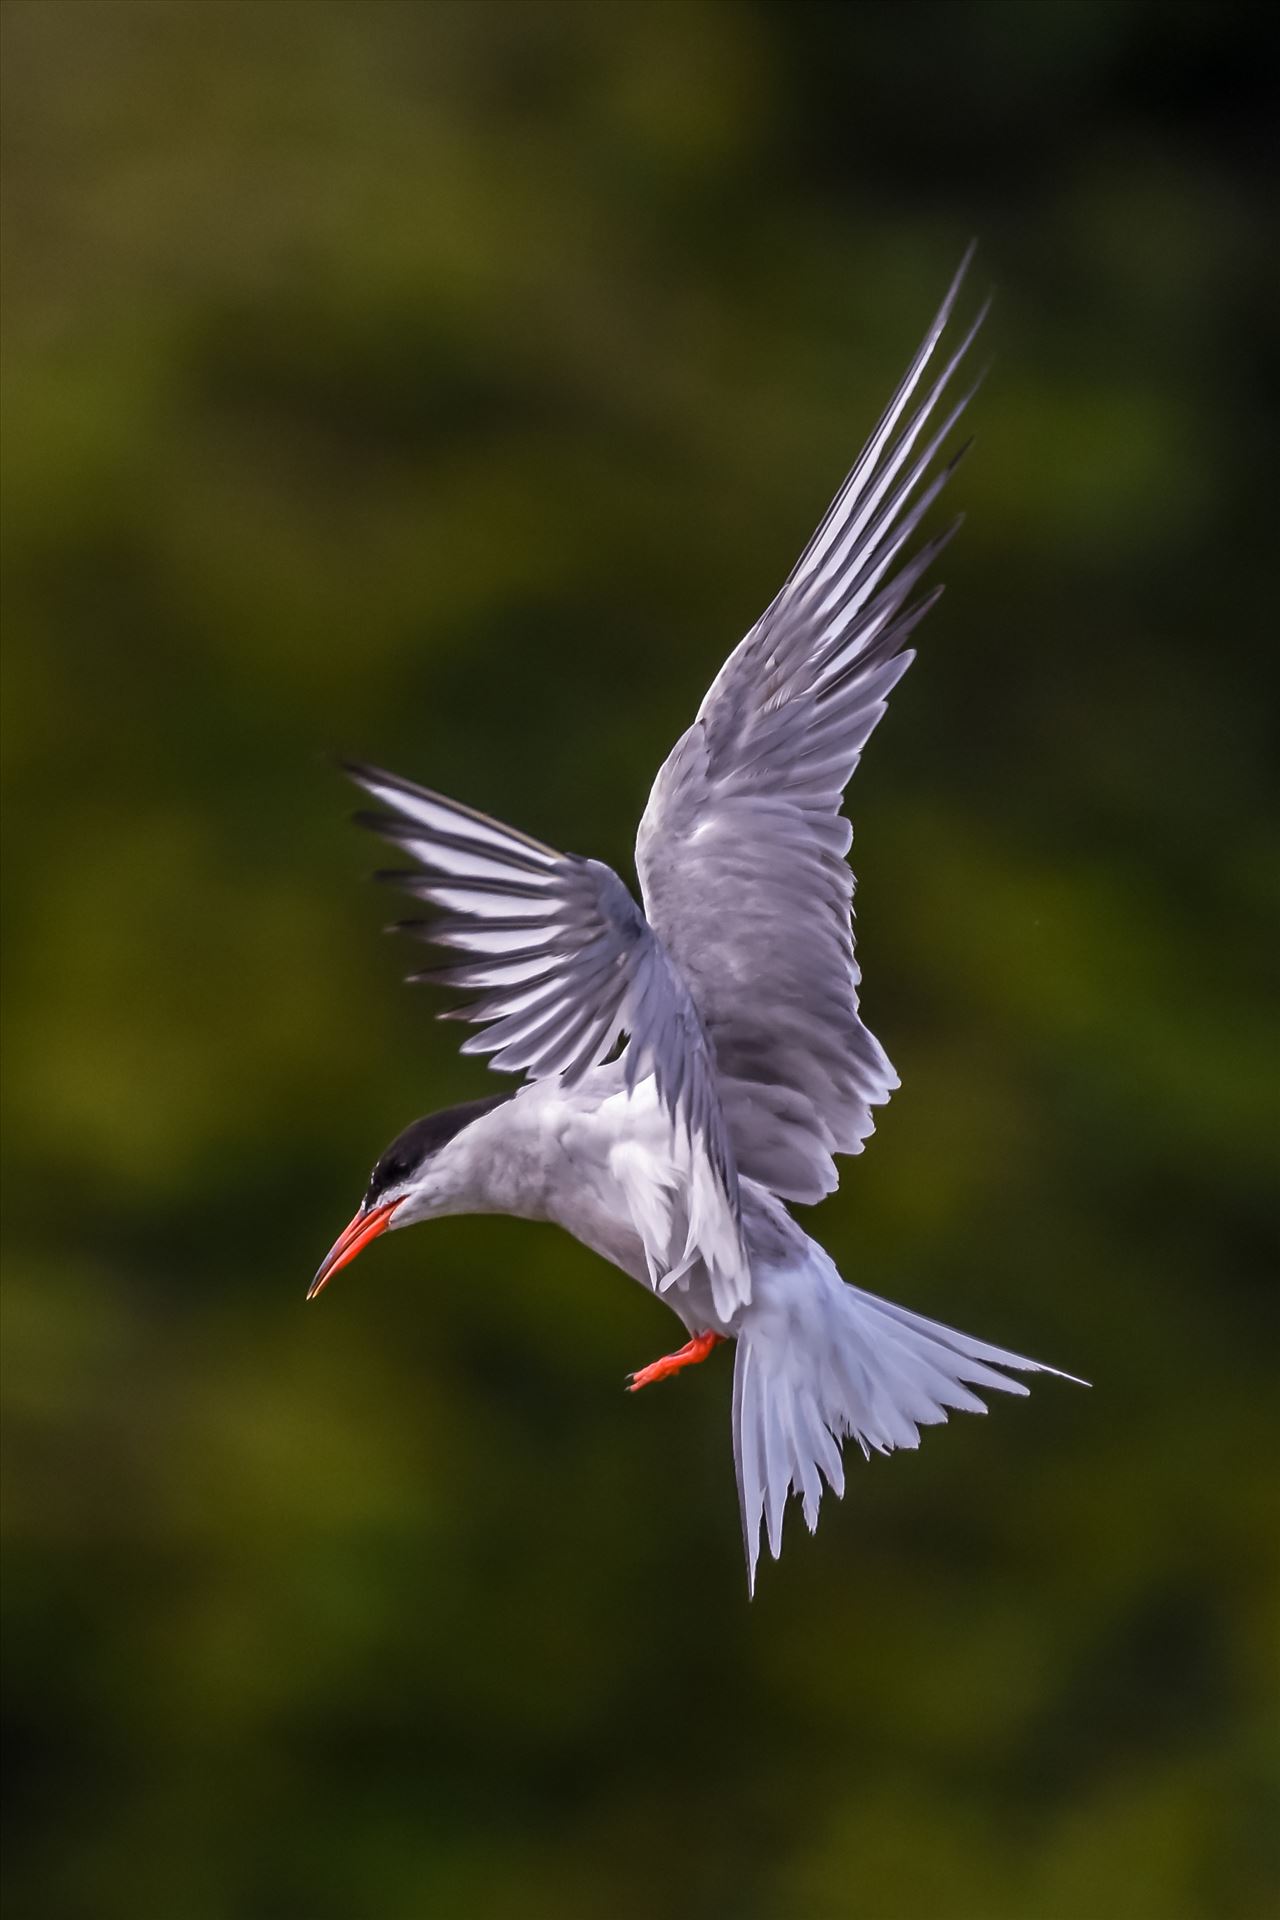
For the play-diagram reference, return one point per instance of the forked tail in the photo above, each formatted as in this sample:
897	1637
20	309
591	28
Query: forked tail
818	1360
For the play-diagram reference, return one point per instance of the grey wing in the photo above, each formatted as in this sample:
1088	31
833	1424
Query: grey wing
566	963
742	849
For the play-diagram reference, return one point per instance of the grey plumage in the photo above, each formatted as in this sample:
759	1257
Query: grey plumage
742	847
747	1065
569	963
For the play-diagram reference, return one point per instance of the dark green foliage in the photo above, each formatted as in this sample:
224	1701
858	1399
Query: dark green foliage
452	384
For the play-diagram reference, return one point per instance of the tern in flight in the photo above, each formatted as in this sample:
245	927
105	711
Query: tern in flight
746	1066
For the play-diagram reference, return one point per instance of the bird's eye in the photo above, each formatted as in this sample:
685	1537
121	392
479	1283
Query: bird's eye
390	1169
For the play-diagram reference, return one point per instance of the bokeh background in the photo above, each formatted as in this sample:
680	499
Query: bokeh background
452	384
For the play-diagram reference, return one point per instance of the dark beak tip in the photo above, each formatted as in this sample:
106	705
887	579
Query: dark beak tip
366	1226
322	1275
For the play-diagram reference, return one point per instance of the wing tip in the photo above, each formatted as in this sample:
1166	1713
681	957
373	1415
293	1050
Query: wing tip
385	825
953	291
362	773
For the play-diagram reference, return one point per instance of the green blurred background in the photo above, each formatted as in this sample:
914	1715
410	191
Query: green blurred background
452	385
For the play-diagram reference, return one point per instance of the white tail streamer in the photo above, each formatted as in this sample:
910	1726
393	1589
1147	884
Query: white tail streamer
818	1361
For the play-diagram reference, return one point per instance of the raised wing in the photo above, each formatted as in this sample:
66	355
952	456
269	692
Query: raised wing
566	963
741	851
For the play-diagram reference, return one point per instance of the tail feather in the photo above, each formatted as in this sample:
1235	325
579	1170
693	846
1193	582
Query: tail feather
818	1361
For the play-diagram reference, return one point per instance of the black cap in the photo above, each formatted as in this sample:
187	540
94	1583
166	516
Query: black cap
426	1136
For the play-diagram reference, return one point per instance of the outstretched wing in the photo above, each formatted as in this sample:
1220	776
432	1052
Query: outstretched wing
741	851
566	963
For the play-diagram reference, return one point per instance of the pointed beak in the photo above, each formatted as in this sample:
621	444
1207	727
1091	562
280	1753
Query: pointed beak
364	1228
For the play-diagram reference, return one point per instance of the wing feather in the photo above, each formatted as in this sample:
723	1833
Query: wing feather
742	849
565	963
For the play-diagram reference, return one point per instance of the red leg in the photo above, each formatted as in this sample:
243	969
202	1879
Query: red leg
697	1349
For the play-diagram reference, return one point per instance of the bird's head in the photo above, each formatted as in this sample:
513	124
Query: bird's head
420	1176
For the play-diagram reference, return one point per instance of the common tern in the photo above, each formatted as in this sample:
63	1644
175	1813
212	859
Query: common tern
746	1066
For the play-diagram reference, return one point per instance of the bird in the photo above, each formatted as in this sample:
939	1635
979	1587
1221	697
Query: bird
694	1063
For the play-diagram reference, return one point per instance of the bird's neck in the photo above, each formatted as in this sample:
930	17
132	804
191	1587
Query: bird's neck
502	1162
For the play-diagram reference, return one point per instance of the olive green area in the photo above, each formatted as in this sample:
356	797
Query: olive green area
451	385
